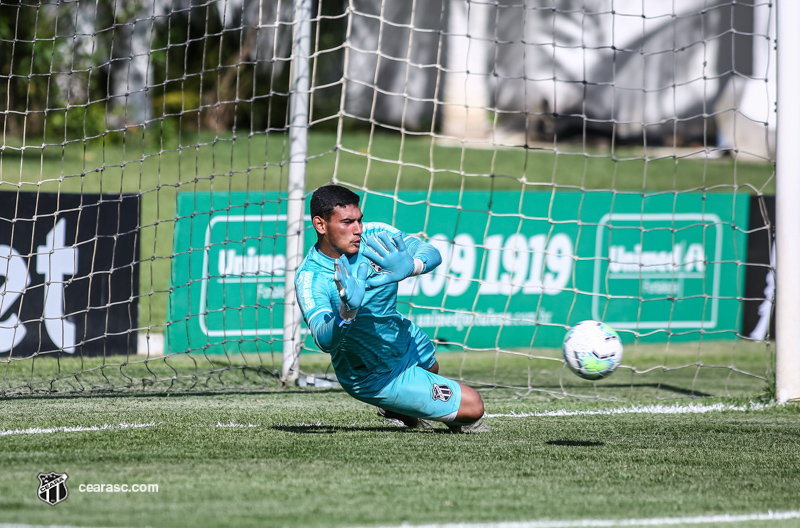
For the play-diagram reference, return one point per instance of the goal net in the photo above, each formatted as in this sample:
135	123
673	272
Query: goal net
596	159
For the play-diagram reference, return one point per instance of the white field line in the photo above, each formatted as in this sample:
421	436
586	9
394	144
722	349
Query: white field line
234	424
104	427
642	409
582	523
602	523
75	429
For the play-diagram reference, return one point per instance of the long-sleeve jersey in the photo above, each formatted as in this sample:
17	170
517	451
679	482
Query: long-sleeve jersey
379	336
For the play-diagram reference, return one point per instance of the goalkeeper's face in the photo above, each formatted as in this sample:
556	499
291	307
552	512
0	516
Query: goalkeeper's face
341	235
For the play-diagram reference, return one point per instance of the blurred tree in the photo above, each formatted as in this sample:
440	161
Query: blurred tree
73	71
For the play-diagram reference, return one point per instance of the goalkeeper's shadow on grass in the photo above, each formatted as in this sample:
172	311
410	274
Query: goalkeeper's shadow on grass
331	429
575	443
658	386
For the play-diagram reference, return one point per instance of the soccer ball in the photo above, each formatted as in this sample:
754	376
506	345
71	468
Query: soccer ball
592	350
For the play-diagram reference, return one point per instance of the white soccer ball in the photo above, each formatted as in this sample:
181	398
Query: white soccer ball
592	350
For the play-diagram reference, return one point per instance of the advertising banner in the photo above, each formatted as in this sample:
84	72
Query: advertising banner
69	276
516	266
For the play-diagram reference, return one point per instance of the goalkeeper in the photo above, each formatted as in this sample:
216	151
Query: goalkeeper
347	290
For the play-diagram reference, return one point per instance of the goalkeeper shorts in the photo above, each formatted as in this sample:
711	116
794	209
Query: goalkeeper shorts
411	390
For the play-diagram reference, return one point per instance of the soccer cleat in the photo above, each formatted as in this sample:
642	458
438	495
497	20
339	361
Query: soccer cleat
477	427
409	421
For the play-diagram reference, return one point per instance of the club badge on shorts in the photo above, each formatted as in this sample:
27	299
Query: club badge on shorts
441	392
53	487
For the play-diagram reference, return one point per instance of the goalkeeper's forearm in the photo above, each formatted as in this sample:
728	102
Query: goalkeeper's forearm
330	328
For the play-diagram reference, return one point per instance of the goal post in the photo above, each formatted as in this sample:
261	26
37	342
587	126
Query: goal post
295	211
787	196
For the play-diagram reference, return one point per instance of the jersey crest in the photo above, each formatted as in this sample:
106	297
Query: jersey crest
377	268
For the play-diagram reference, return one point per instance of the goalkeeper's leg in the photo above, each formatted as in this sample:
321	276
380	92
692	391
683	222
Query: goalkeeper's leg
410	421
470	414
417	395
469	418
470	411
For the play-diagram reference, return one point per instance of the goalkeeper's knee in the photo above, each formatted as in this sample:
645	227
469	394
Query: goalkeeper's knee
471	409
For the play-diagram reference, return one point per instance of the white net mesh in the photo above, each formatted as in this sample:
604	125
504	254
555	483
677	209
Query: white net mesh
594	159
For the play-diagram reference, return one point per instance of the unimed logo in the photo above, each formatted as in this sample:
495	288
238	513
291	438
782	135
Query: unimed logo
244	265
233	263
679	259
663	270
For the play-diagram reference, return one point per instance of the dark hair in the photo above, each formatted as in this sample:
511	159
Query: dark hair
329	197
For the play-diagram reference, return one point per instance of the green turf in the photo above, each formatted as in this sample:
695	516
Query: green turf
139	163
319	458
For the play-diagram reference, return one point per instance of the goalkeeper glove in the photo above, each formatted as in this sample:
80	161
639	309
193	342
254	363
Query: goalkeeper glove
390	254
352	288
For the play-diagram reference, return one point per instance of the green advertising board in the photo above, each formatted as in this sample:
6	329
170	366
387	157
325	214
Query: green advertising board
516	267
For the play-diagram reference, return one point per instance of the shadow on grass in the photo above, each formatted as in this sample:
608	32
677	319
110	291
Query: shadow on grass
664	387
660	386
331	429
575	443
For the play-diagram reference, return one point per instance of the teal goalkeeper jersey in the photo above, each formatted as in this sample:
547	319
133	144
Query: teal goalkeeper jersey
377	340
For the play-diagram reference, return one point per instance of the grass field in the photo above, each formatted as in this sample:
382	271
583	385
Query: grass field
228	446
316	457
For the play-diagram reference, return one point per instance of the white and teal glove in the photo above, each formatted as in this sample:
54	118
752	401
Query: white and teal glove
392	256
352	288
